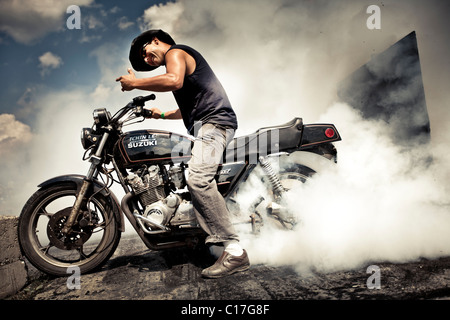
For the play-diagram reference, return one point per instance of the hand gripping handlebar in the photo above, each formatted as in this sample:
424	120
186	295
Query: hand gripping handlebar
140	101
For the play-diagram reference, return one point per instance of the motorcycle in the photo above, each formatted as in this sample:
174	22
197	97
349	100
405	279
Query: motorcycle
76	220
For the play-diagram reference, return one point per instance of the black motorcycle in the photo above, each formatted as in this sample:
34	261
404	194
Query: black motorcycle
76	220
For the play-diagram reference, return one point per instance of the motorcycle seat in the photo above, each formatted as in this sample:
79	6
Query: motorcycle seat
265	141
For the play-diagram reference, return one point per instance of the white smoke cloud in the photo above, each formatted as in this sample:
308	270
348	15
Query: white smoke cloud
280	59
379	203
285	58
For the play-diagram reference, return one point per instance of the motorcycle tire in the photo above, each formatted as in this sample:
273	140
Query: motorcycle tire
90	243
295	173
292	176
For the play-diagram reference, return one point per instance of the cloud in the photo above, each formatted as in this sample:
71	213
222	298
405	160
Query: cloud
26	99
86	39
15	139
92	22
49	61
52	148
124	24
26	102
13	134
27	20
162	16
115	9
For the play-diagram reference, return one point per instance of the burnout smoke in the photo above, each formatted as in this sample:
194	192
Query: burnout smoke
378	203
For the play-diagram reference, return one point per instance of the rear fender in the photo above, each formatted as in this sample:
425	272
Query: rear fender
317	134
98	186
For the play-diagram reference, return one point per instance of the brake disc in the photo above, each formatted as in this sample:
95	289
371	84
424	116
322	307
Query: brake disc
75	239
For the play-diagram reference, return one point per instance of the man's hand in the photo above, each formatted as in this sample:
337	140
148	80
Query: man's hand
156	113
173	114
127	81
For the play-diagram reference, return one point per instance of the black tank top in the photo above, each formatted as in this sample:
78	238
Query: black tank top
202	97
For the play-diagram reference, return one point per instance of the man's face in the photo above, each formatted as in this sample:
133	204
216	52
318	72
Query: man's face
153	53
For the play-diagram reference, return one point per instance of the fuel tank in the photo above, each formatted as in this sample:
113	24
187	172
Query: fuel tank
135	148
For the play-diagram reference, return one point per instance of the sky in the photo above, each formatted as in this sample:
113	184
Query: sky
277	59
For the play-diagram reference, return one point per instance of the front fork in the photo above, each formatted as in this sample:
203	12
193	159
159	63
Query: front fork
90	176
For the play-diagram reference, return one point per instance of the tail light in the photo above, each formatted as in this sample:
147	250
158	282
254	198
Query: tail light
329	133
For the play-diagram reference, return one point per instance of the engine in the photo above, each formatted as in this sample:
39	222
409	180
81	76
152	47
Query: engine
150	185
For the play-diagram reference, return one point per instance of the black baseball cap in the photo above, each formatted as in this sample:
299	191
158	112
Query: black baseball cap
137	45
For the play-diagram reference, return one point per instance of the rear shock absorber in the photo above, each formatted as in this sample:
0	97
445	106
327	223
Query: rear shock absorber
278	189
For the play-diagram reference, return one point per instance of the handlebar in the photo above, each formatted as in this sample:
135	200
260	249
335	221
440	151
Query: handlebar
138	105
140	111
140	101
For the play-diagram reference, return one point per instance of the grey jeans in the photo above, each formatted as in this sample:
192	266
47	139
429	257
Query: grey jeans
209	205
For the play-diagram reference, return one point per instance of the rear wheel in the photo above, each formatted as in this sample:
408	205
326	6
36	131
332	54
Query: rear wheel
91	242
292	177
257	199
295	175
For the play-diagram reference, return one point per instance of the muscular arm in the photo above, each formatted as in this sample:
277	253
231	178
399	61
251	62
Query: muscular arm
172	80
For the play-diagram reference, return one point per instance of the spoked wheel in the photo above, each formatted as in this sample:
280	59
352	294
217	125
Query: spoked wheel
292	177
90	243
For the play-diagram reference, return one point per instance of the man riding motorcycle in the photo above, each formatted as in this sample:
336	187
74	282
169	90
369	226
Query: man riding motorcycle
209	116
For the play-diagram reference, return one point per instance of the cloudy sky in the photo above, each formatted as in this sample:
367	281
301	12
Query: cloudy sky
277	59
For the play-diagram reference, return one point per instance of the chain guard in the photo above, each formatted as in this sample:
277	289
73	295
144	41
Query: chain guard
75	239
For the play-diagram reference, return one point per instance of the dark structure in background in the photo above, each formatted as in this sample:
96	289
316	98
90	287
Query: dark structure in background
389	87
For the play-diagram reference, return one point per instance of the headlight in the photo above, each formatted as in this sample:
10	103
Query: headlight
87	138
101	116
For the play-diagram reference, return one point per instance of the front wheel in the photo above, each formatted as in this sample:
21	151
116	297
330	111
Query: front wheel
91	242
